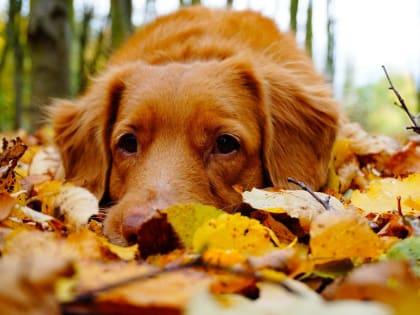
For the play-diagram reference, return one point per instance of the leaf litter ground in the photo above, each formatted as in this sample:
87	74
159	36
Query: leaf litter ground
287	254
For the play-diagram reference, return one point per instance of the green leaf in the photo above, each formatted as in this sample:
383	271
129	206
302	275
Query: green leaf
407	249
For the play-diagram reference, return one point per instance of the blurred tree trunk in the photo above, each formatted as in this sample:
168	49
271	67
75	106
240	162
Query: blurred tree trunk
49	40
14	44
121	11
308	34
330	62
294	4
229	3
190	2
15	15
83	39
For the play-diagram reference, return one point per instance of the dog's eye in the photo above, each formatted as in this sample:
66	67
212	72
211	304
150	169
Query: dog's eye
226	144
128	143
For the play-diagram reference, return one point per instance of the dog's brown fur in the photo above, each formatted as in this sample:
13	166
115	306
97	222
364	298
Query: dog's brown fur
177	86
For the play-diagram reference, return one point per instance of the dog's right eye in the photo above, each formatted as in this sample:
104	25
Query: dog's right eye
128	143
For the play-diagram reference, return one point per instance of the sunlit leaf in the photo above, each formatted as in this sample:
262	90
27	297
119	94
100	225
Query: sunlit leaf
235	232
337	235
185	219
296	203
381	196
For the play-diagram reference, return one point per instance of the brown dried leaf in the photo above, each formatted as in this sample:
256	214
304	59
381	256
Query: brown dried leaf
166	293
406	161
11	151
28	285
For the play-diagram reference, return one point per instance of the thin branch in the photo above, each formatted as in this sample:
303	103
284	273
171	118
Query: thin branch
413	118
324	202
88	298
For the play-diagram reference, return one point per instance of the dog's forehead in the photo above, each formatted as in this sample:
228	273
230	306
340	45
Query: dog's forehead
180	89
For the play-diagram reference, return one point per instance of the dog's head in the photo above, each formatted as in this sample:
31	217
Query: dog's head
147	136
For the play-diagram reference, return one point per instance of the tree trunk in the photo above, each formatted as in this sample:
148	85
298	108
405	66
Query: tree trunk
308	34
83	39
49	40
294	4
18	61
330	62
13	44
121	11
229	3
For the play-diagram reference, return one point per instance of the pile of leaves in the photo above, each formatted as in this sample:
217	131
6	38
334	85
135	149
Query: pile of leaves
353	248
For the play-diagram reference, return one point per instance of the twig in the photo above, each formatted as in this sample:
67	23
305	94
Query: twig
399	207
89	298
324	202
414	118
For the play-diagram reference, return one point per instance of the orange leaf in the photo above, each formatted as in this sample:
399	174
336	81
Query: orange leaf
339	235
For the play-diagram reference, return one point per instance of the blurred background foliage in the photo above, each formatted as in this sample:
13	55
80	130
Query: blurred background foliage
51	48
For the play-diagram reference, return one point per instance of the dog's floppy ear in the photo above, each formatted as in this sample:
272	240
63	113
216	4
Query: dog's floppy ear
300	125
82	131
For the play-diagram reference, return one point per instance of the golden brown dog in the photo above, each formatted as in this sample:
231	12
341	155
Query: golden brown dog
193	104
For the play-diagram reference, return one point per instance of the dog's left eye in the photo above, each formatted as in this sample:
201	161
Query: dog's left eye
128	143
226	144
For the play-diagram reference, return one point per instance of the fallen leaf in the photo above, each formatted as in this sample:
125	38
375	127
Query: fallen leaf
409	250
185	219
381	195
362	143
138	293
277	300
6	205
126	253
405	161
46	161
28	285
235	232
389	282
296	203
337	235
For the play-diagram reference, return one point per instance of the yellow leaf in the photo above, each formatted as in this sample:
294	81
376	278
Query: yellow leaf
235	232
222	257
126	253
47	191
185	219
381	196
339	235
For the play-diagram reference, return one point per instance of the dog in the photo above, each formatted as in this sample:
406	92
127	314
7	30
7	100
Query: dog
192	106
